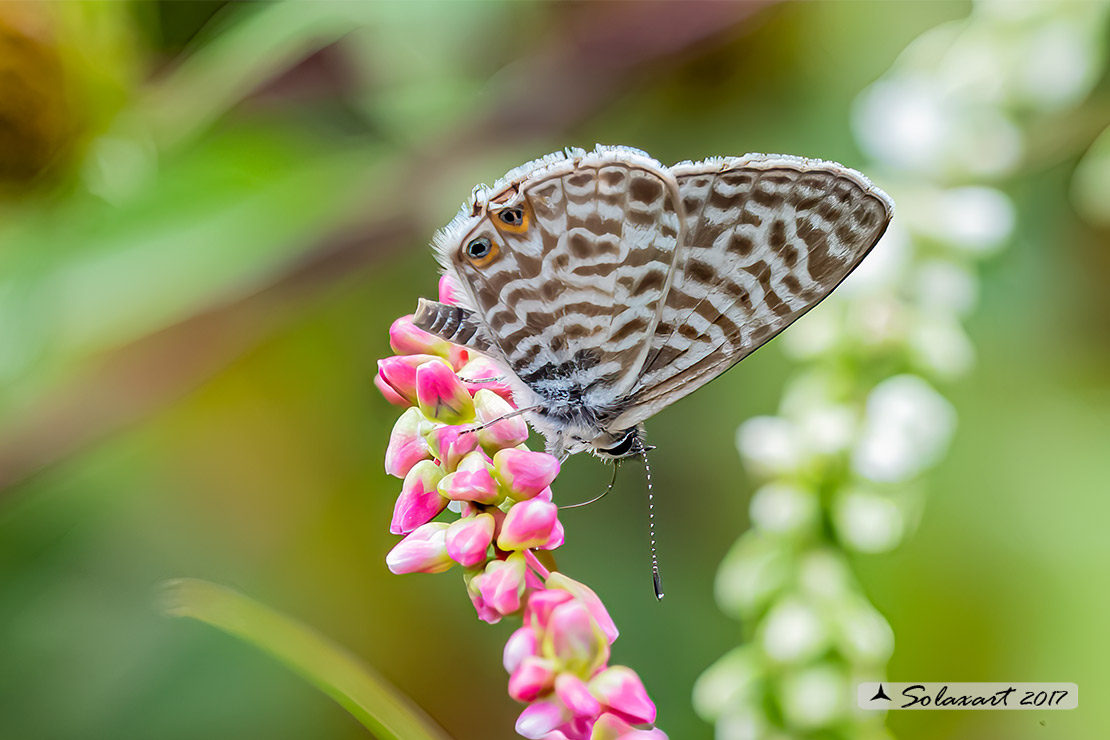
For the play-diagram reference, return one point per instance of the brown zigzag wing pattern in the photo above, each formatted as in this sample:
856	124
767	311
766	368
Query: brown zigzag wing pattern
574	290
766	239
609	286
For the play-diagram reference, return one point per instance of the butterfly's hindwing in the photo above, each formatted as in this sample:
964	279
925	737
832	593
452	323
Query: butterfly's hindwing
573	298
767	238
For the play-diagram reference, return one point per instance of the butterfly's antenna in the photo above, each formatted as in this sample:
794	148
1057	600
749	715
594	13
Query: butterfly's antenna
656	580
604	493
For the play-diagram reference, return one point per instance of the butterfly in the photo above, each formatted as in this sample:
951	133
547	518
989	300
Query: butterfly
608	286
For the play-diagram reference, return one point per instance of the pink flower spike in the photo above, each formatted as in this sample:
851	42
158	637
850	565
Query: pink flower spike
449	291
574	693
574	640
528	524
521	644
540	606
420	500
391	395
540	718
406	444
534	677
406	339
505	433
399	374
424	550
502	584
441	395
481	373
450	444
468	540
585	594
477	486
524	472
622	692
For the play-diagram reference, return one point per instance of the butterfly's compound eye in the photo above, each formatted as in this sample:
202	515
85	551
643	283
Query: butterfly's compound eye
480	251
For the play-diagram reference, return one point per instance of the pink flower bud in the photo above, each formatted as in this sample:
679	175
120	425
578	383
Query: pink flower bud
611	727
621	691
574	693
505	433
406	443
540	718
534	676
585	594
441	395
449	291
528	524
521	644
474	461
481	373
450	443
399	374
525	472
422	551
502	584
540	606
473	589
391	395
469	539
406	339
478	486
558	535
574	639
420	500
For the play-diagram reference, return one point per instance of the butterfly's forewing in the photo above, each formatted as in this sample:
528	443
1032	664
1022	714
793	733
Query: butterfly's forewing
766	239
572	297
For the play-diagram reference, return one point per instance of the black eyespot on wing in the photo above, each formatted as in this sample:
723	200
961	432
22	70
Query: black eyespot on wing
511	216
479	248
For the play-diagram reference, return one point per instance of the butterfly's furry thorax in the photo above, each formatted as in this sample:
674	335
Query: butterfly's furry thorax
608	285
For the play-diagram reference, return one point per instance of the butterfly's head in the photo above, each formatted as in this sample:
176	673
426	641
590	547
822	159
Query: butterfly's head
608	445
616	445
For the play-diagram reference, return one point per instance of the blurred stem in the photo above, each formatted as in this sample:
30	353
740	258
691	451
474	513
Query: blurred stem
261	43
379	706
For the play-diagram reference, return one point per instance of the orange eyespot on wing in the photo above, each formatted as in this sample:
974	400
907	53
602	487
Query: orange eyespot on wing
512	220
480	251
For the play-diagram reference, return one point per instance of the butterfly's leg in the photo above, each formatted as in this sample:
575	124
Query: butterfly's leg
608	488
499	419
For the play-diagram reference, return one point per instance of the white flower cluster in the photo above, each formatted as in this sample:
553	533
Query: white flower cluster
861	420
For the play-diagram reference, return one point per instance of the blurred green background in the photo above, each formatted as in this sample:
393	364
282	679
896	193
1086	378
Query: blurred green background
209	215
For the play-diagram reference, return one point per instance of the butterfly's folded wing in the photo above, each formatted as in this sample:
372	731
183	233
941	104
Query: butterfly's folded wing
572	299
766	239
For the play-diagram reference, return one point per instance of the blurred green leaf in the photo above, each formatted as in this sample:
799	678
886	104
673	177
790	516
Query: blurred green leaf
380	707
